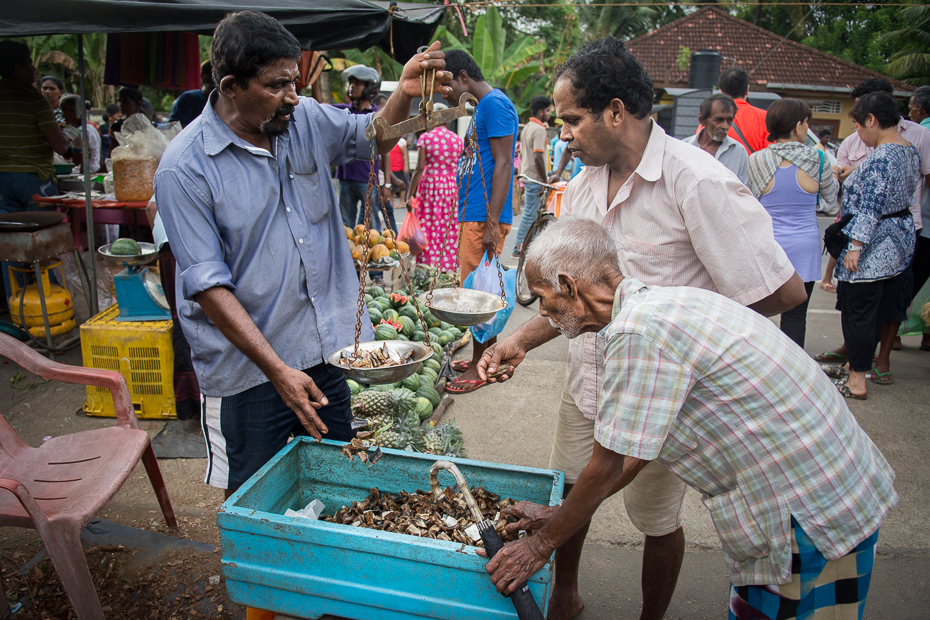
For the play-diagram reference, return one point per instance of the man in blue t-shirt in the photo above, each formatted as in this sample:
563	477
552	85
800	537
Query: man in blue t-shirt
190	104
485	209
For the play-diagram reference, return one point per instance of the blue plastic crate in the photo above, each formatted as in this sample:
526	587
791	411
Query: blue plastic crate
307	568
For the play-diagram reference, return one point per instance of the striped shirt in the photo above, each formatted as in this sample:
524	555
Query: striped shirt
681	219
24	115
716	393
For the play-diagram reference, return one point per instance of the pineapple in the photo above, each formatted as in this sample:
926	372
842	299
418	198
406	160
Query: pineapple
431	442
379	421
371	403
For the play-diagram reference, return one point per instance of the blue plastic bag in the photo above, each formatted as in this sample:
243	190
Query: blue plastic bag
485	278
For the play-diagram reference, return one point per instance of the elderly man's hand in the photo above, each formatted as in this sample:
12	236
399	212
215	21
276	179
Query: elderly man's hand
418	65
531	516
516	563
506	354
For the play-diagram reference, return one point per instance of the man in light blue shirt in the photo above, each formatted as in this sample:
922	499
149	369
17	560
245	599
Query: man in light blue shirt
267	288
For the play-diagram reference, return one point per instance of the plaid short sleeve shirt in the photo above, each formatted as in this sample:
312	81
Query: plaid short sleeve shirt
719	395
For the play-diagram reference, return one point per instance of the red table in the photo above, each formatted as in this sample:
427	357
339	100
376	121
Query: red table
105	212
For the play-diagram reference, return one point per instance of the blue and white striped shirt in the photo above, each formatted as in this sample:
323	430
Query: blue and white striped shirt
267	226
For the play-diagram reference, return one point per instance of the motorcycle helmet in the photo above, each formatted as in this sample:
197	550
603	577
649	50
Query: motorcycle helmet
367	75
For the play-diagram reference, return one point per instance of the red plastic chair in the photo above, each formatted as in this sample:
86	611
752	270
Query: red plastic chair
58	487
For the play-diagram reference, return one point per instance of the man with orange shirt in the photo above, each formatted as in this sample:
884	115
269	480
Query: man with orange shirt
749	124
534	142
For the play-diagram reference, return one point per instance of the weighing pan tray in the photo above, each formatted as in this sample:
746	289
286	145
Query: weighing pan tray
30	221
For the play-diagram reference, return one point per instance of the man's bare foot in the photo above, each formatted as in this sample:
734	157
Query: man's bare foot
563	608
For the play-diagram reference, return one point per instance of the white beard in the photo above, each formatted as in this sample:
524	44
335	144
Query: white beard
570	331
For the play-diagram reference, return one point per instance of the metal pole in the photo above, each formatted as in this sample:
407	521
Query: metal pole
91	246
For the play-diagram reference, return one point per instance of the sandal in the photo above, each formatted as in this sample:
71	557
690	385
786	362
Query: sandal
844	390
461	365
881	378
463	386
835	372
831	357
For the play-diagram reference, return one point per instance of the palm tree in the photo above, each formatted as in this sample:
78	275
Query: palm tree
911	63
614	18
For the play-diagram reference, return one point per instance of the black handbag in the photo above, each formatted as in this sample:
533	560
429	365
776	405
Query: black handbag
834	239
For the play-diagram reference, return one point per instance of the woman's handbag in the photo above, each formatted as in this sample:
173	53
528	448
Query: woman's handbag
834	239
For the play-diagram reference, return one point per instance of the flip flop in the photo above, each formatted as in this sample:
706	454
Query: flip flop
844	390
471	386
831	357
461	365
881	378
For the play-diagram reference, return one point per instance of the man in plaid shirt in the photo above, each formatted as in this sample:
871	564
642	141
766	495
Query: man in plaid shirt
718	395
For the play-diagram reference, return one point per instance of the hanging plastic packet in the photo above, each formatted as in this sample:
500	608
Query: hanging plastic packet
487	278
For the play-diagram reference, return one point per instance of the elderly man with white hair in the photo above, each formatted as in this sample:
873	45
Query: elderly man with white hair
715	393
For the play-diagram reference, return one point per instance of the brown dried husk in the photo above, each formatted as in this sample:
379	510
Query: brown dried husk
133	179
419	511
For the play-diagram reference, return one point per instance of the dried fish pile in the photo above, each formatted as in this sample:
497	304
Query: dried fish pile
375	358
418	514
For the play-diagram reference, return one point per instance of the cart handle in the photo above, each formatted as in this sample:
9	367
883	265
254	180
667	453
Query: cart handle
460	479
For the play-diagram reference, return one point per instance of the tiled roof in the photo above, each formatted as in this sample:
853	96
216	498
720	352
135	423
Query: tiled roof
767	56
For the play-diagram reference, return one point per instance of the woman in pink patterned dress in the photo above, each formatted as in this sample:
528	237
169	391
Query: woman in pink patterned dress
434	183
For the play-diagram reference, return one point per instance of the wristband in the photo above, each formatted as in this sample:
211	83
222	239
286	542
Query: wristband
386	186
853	248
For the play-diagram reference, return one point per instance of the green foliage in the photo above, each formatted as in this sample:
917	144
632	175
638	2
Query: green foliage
684	58
622	19
855	34
911	59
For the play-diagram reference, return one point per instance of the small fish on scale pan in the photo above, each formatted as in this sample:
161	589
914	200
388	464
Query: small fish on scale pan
418	514
375	358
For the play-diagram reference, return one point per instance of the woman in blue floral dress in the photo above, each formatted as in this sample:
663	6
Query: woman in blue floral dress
881	232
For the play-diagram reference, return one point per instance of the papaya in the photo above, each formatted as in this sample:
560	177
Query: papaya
349	232
358	230
402	247
378	252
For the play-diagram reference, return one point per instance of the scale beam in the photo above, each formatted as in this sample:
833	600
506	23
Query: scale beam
426	120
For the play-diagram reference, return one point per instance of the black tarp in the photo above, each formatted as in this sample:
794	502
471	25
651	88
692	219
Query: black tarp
317	24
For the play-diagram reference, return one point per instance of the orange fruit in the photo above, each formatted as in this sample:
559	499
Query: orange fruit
359	229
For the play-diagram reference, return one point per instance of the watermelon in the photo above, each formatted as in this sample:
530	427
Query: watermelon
431	320
430	394
444	339
429	372
390	314
374	313
437	357
445	326
376	291
385	332
432	364
368	298
418	336
355	388
410	311
407	325
387	387
452	334
437	349
402	337
426	380
424	408
412	383
435	331
125	247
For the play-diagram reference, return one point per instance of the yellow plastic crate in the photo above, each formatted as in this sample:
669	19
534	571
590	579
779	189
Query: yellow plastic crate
142	352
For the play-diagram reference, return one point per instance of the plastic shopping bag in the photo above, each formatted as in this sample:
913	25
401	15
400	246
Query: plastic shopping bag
411	232
485	278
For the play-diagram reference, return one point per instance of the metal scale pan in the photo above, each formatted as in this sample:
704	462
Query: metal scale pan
387	374
149	253
463	306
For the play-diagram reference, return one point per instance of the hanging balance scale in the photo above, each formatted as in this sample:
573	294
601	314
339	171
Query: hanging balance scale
389	361
139	293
